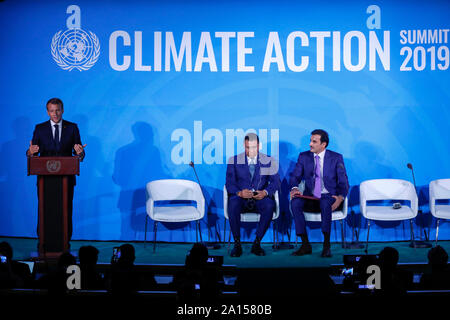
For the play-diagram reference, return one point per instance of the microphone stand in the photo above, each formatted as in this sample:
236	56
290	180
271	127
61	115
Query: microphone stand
209	244
355	244
418	243
283	245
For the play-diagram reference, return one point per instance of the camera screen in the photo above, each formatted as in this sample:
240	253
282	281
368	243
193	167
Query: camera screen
215	260
116	254
347	272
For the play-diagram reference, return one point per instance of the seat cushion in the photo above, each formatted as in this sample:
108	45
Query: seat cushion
442	211
313	216
253	217
176	213
385	213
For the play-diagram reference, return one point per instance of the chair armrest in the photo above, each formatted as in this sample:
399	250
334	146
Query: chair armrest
150	204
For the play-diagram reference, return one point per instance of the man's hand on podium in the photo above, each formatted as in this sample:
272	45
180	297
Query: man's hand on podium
79	149
34	148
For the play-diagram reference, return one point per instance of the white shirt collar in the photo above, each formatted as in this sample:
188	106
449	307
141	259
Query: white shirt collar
321	155
53	123
252	160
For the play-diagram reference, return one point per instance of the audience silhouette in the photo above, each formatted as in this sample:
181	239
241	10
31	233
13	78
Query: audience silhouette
393	280
198	281
90	278
125	279
439	277
56	281
13	274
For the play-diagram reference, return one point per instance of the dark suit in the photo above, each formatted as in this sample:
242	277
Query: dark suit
334	179
238	177
48	147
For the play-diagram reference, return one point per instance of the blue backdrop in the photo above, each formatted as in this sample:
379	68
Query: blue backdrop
156	84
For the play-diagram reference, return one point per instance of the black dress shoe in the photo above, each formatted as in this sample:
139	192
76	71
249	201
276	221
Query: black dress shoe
326	252
237	250
257	250
304	249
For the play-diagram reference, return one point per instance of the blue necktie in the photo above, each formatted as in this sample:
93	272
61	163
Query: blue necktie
56	136
252	167
317	181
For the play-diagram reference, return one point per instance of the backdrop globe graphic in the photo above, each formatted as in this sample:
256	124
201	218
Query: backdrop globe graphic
75	48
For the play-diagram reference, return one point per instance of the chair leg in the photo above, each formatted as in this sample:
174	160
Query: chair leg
273	229
342	234
412	232
155	229
224	230
145	234
367	241
199	231
229	239
437	231
196	231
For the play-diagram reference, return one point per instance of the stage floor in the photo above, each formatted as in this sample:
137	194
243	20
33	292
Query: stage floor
174	253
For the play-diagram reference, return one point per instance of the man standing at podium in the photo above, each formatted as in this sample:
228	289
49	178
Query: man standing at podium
325	179
58	138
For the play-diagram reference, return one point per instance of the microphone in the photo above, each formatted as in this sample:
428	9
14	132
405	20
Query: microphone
423	243
409	165
191	164
209	245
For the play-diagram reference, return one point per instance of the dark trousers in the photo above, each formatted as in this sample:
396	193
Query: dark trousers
300	205
238	205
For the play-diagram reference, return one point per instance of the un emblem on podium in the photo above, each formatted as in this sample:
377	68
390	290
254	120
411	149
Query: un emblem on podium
75	48
53	166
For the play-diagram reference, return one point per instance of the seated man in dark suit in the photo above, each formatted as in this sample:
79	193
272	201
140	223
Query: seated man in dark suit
57	137
326	179
251	181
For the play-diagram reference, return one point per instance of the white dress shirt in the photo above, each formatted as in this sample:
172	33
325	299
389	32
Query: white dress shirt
59	128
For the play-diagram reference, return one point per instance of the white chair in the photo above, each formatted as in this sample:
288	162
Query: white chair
388	189
338	215
174	189
248	216
439	190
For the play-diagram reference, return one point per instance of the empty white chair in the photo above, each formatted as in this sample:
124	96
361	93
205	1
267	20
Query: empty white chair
439	190
174	189
338	215
248	216
388	189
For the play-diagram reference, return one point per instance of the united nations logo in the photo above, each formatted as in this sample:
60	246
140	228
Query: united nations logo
75	49
53	166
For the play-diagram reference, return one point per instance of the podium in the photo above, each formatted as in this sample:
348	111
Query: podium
55	191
